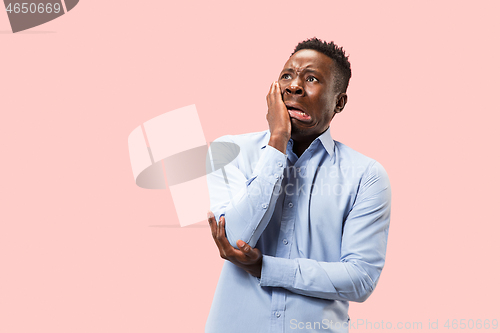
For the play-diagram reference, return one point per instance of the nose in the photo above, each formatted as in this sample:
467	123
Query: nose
295	88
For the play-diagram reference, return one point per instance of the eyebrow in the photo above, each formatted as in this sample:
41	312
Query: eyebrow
306	70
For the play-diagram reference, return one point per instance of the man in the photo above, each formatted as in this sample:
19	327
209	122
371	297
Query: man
303	219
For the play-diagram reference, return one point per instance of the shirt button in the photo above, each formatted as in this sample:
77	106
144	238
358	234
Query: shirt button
264	206
285	241
277	314
280	164
290	204
276	176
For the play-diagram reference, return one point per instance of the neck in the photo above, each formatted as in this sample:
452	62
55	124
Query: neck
301	143
300	147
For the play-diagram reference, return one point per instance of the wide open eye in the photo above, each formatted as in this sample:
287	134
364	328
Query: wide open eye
286	76
311	79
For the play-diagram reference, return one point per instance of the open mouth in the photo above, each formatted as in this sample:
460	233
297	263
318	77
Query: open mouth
297	113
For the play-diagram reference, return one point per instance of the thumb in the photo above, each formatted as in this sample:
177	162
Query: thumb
243	246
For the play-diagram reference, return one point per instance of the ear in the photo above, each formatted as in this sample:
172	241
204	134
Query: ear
341	102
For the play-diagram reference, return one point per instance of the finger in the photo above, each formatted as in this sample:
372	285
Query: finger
221	233
277	97
270	89
210	217
251	253
278	90
225	247
218	239
213	224
243	246
214	229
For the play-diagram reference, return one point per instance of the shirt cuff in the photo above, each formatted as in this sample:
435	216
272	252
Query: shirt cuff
270	165
277	272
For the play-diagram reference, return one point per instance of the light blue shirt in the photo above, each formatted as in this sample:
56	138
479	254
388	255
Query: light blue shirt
321	222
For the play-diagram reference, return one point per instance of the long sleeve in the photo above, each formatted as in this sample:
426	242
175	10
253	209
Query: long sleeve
363	248
246	202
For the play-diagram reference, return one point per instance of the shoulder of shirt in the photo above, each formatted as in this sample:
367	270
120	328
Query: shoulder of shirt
254	139
345	155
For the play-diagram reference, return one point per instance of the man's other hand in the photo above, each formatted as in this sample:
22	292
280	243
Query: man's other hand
247	258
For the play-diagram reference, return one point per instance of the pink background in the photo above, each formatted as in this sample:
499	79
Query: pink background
83	249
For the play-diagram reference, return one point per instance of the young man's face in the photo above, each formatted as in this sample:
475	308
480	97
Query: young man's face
308	88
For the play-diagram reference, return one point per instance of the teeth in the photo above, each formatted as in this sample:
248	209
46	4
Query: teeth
299	112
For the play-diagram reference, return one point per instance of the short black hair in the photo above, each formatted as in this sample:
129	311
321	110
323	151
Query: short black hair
343	73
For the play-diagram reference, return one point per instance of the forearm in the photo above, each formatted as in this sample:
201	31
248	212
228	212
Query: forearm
279	141
345	281
247	204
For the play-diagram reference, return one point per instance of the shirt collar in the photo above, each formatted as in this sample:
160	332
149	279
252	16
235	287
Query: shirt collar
327	142
325	139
